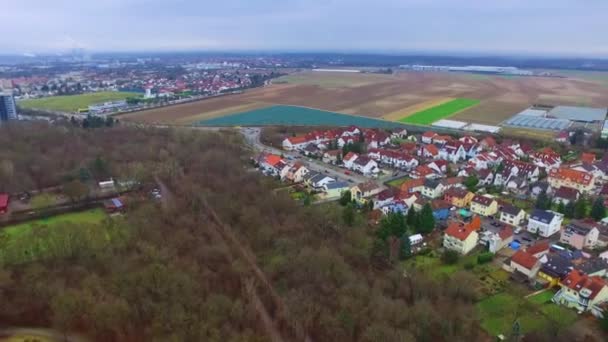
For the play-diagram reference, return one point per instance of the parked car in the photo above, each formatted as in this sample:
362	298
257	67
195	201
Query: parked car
347	172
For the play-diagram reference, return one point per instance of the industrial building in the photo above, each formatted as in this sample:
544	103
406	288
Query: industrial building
8	110
558	118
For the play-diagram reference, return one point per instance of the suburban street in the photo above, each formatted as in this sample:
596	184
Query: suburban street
252	136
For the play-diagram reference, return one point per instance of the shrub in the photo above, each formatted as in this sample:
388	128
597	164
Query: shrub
485	258
469	266
450	257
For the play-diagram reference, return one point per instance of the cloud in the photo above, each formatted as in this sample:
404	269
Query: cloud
506	26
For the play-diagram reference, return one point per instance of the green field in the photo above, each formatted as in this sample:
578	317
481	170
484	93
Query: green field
57	237
430	115
71	103
296	116
499	312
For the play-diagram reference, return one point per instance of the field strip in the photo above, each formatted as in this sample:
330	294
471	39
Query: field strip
222	112
442	111
402	113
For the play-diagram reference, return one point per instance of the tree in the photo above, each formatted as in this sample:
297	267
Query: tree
393	225
569	210
427	220
543	201
76	190
412	217
561	208
346	198
348	214
604	323
580	208
471	183
405	250
598	210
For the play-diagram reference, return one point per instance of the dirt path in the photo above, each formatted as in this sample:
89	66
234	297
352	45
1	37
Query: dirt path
41	334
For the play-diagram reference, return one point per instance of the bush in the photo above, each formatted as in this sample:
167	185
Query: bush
450	257
485	258
469	266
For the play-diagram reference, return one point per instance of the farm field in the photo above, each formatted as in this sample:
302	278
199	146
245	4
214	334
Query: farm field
391	97
430	115
295	116
71	103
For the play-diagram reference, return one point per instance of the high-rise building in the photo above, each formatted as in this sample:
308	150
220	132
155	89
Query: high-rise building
8	111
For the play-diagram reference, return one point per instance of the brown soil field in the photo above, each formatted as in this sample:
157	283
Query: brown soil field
381	95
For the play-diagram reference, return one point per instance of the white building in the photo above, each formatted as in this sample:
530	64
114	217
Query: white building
545	222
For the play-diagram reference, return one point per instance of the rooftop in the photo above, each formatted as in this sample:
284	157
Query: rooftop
587	114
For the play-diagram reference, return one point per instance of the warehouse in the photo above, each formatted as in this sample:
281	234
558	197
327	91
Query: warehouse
559	118
581	114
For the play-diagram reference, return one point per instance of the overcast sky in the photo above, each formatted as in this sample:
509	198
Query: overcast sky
536	27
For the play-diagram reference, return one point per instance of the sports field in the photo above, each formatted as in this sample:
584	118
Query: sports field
71	103
430	115
295	116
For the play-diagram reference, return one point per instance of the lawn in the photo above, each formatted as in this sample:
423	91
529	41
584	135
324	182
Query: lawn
430	115
397	182
58	236
71	103
542	298
499	312
296	116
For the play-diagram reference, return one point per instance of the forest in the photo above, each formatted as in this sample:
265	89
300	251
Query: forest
222	258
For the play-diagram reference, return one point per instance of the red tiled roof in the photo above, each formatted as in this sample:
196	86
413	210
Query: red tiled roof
505	233
409	184
461	231
483	200
538	247
432	149
350	155
429	134
576	280
298	139
588	158
571	175
273	159
524	259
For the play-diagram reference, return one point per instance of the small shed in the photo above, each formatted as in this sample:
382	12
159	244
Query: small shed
113	205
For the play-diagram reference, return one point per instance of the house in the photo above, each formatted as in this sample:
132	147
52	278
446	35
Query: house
516	185
581	291
429	151
580	235
487	143
317	180
544	222
540	187
485	176
593	267
500	240
525	263
108	185
385	197
332	156
422	172
335	189
3	203
587	158
441	139
512	215
432	188
516	168
349	159
460	237
562	137
297	172
361	192
539	249
458	197
579	180
427	137
416	239
484	160
399	133
365	165
412	185
546	158
441	209
467	139
113	205
311	150
453	152
438	166
555	269
484	205
271	164
396	206
295	143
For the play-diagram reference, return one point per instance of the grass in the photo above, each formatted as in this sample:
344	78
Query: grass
430	115
498	313
397	182
296	116
42	200
71	103
57	236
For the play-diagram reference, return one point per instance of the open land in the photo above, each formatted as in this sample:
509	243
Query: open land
71	103
392	97
430	115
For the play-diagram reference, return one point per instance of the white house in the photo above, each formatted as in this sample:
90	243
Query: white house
545	222
349	160
366	166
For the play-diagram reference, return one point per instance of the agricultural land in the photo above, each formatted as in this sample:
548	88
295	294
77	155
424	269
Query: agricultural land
393	97
71	103
430	115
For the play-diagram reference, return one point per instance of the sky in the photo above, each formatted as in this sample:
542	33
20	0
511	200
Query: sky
500	27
